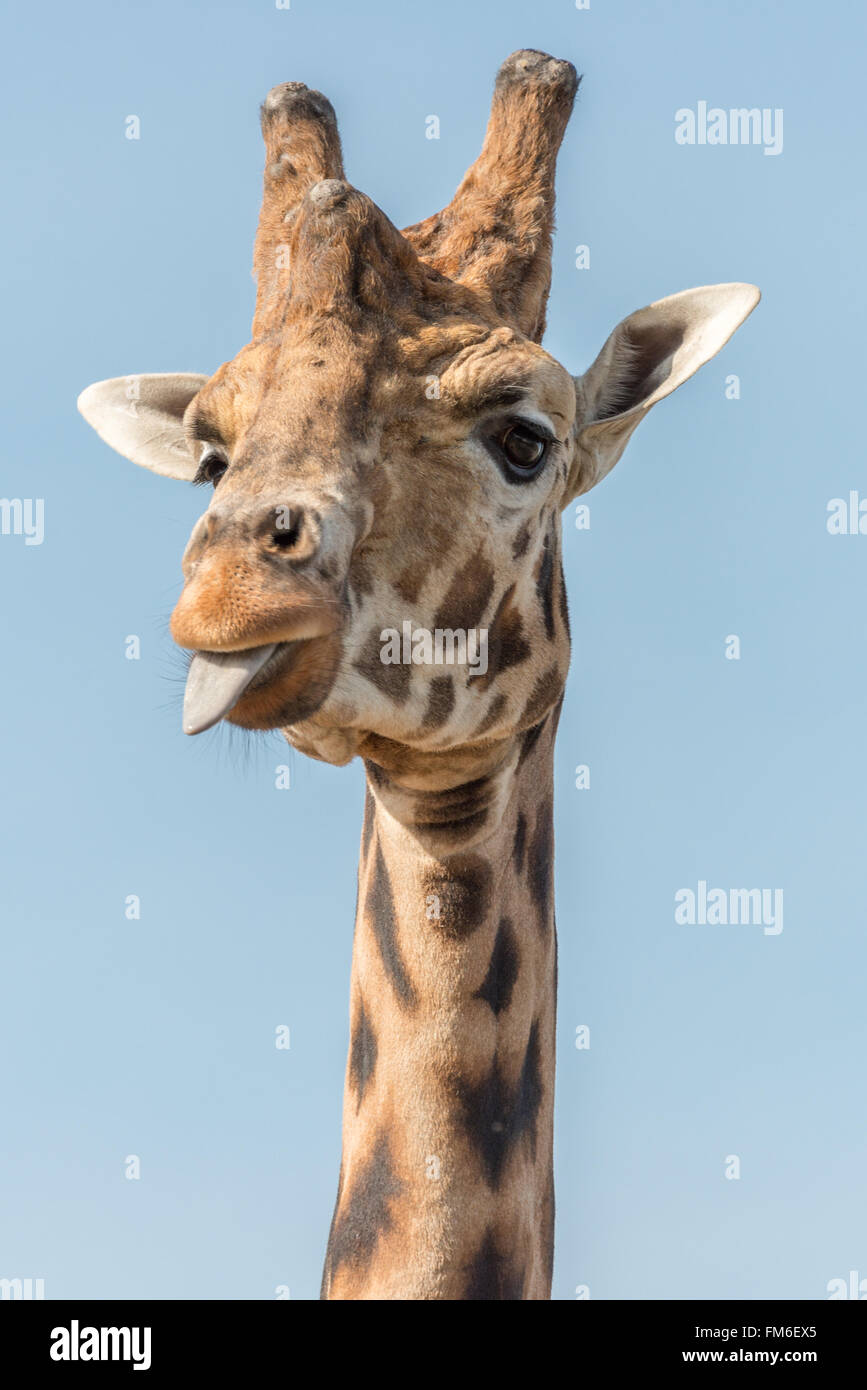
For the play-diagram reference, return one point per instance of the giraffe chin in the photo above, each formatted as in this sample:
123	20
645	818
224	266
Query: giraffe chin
291	685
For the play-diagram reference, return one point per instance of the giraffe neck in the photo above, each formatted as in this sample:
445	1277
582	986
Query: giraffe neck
446	1184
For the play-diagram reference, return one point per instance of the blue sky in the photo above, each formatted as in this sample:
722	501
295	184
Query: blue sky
156	1037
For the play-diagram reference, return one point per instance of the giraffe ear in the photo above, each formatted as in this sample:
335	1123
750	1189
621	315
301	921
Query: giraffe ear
142	417
647	357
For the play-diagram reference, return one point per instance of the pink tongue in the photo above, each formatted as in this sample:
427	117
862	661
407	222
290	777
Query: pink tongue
216	681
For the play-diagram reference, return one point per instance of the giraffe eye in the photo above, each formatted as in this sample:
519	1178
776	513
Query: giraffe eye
524	449
211	469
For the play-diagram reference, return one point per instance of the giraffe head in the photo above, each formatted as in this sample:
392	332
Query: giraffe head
390	453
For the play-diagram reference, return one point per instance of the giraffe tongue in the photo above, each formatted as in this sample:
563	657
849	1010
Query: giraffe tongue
216	681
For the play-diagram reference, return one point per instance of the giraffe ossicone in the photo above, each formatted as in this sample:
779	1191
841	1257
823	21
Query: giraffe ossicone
351	498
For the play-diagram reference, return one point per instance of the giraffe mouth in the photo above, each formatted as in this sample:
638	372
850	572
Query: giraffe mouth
217	680
265	687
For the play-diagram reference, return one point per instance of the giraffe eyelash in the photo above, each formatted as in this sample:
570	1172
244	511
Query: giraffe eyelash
202	475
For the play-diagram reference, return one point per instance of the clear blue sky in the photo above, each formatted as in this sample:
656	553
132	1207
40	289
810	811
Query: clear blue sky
156	1037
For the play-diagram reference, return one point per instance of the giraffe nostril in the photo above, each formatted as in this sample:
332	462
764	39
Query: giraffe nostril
288	538
282	529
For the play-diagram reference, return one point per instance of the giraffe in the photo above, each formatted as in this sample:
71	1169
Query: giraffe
394	446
